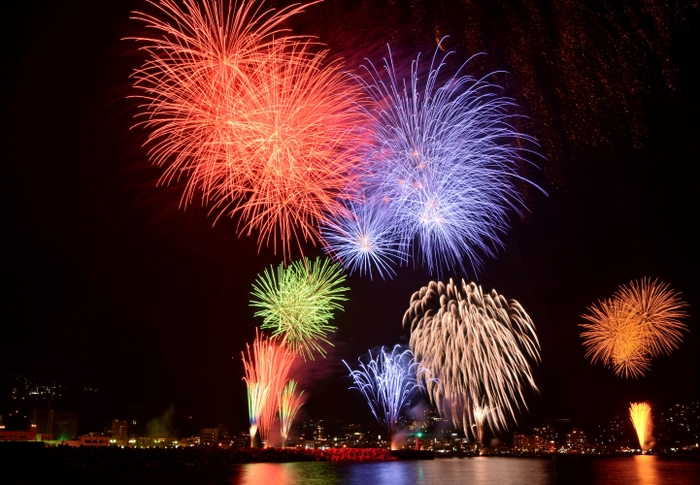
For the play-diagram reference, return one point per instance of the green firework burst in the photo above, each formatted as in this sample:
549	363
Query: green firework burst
298	302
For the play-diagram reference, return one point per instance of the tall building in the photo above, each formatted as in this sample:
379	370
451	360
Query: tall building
576	440
120	432
55	425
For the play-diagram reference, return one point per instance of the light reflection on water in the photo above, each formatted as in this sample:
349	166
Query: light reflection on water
559	470
636	470
646	470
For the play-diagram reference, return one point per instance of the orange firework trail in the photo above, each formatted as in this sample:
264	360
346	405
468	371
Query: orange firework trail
266	371
256	120
640	413
638	323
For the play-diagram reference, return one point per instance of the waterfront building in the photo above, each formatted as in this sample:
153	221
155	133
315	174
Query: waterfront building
90	439
534	443
576	441
15	435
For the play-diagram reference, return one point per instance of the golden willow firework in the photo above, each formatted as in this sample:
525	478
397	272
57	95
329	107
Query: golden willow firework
640	414
639	322
477	347
258	122
266	371
297	302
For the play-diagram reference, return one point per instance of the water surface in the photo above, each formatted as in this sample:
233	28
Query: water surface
557	470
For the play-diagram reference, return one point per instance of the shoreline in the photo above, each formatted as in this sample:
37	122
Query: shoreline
21	456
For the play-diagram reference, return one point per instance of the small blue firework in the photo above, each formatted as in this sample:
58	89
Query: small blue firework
364	238
387	382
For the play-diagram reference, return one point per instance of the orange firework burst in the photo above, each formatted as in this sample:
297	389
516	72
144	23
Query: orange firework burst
256	120
638	323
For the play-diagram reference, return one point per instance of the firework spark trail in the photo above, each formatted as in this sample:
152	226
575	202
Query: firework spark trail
445	159
480	413
289	403
256	120
266	371
298	302
387	382
640	413
639	322
477	348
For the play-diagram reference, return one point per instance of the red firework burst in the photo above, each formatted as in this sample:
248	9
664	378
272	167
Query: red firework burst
297	140
254	118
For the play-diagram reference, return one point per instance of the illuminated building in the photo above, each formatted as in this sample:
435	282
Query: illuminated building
27	435
529	443
576	440
91	439
678	427
616	435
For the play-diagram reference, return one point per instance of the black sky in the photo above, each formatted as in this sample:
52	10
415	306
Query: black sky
108	284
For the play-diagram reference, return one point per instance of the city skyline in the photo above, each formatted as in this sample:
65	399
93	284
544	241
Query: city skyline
114	287
671	429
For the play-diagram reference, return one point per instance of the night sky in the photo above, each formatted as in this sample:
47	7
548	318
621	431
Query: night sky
109	285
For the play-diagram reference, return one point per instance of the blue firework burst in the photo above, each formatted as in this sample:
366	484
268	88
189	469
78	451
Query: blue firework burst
388	382
364	239
445	162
